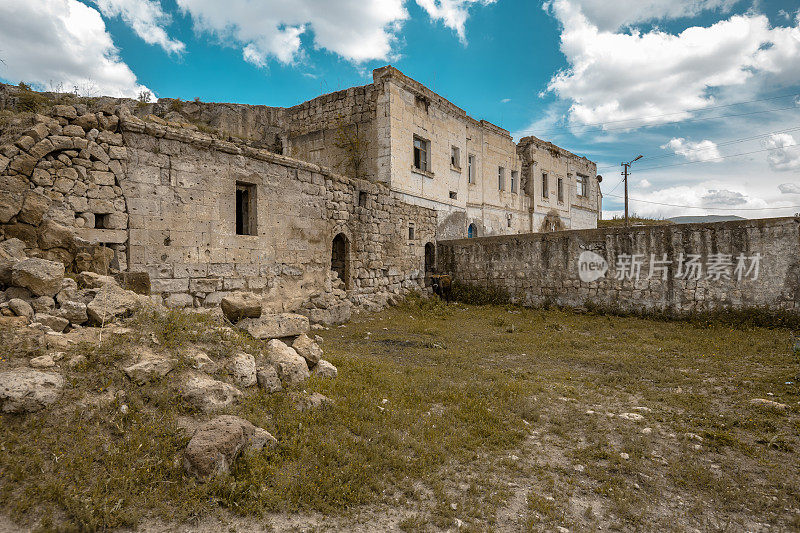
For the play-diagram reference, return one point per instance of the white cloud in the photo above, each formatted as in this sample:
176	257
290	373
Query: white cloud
613	15
61	41
619	76
644	184
146	18
724	197
272	29
700	199
693	151
453	13
789	188
784	154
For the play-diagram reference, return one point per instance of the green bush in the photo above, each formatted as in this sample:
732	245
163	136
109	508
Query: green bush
475	295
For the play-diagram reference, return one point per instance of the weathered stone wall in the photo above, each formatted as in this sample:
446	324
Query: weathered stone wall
60	188
338	131
181	185
543	268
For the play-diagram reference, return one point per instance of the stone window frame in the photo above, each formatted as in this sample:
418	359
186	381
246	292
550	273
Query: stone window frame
248	215
501	178
560	189
425	148
472	167
453	195
514	181
412	231
545	185
455	158
582	185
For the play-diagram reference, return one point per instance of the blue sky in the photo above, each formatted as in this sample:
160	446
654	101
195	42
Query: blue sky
609	80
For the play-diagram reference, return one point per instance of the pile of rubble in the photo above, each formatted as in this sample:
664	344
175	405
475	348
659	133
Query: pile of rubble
38	290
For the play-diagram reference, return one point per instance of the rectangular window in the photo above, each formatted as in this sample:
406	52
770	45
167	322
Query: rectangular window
455	157
100	221
583	185
471	169
453	195
501	178
560	189
514	181
410	231
362	199
422	154
545	185
245	209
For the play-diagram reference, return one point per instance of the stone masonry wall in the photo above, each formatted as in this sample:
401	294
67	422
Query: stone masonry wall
543	268
180	188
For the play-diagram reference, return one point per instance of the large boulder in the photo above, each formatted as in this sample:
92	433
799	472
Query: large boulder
73	311
110	302
26	390
56	323
292	369
208	394
243	368
20	307
307	349
12	251
276	326
240	305
217	443
331	316
150	367
40	276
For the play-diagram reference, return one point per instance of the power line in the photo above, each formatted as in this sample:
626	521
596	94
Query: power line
559	128
724	143
680	121
710	208
719	158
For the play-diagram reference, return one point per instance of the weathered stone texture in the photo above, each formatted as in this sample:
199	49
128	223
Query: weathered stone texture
538	269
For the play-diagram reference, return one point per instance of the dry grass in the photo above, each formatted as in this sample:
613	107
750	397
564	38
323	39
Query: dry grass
496	417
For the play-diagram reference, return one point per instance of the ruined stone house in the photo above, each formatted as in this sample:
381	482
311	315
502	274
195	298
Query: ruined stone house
328	204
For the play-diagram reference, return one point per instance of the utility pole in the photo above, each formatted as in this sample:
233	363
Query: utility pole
625	167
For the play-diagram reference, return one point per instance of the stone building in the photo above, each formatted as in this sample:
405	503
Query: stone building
429	151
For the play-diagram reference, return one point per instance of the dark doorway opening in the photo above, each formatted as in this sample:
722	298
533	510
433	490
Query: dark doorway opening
340	258
430	258
472	231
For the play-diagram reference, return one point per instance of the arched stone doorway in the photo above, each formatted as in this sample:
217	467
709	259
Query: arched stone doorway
472	231
430	258
340	258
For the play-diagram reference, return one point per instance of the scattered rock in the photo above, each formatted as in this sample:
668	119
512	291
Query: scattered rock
12	251
307	349
275	326
55	323
241	305
208	394
268	379
93	280
150	367
291	368
761	402
200	360
631	416
40	276
217	443
243	368
110	302
73	311
76	361
20	307
26	390
315	400
43	361
325	370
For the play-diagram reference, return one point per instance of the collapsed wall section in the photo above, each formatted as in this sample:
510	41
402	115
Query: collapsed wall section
674	268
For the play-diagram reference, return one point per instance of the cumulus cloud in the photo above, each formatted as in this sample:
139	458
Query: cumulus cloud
273	29
789	188
453	13
615	76
610	16
724	197
784	153
693	151
146	18
61	42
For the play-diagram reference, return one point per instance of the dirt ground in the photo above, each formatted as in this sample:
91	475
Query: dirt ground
491	418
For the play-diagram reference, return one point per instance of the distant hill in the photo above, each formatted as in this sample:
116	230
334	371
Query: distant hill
706	218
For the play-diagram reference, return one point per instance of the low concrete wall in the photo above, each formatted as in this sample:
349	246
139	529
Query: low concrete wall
681	268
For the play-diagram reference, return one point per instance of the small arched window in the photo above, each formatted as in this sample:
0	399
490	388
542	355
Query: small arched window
472	231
